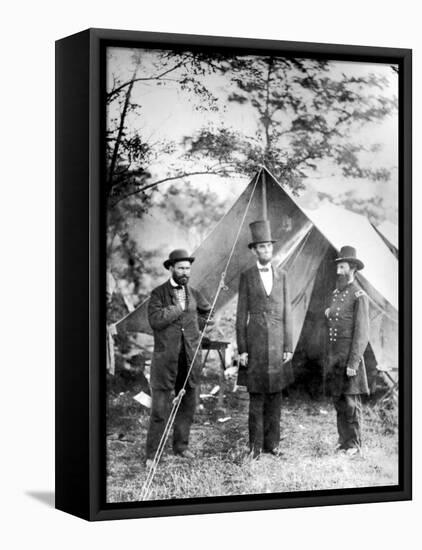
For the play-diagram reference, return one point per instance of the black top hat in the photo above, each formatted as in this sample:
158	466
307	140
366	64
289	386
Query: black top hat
178	255
348	254
261	233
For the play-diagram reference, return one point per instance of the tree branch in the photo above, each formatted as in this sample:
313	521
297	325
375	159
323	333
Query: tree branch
120	130
117	90
172	178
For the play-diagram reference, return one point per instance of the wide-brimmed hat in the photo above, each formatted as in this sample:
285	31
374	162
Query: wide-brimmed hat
261	233
348	254
178	255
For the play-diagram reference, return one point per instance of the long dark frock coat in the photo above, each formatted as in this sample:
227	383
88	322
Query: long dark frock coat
264	330
172	327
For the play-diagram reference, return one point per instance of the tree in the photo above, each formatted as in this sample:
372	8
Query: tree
129	153
306	114
374	208
192	209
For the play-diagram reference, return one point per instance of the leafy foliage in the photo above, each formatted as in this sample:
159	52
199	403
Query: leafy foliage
193	209
373	208
305	115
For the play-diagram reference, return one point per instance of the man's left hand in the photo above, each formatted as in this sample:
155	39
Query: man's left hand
287	356
210	325
350	371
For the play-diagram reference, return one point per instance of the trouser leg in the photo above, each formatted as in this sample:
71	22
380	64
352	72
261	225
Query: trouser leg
183	421
339	405
349	411
256	422
272	411
160	410
352	420
186	411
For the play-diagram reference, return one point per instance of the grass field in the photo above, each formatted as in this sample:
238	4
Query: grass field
222	466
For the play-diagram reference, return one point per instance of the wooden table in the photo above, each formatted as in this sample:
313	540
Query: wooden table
220	346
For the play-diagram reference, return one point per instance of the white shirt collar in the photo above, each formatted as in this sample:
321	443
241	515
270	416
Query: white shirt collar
173	282
260	266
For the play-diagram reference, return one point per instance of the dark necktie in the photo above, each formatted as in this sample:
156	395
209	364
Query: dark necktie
264	269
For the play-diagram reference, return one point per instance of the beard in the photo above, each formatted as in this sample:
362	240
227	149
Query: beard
264	261
342	281
182	280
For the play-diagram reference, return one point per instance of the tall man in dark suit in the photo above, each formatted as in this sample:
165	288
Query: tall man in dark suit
348	337
264	340
177	313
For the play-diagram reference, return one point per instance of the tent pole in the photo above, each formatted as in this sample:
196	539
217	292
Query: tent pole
264	197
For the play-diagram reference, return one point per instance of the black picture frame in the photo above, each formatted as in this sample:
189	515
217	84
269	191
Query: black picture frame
80	277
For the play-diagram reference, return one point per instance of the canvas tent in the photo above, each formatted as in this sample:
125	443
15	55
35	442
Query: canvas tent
307	242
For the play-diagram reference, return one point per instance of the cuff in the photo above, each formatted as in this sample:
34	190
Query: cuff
353	364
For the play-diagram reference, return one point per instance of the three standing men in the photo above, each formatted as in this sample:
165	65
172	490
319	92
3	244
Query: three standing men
177	313
348	331
264	340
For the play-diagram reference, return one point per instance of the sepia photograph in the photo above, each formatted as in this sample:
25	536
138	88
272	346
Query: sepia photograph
252	268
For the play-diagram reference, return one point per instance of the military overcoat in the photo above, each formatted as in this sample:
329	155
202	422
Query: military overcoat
173	327
264	330
348	337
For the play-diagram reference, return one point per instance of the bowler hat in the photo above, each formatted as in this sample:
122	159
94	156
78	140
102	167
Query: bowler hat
178	255
261	233
348	254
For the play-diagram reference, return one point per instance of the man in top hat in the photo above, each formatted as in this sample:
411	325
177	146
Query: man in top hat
264	340
177	313
348	336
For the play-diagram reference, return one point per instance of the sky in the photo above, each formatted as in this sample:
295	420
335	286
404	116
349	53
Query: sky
170	114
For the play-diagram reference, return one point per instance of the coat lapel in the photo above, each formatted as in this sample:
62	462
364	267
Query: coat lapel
258	281
189	296
259	285
276	280
169	290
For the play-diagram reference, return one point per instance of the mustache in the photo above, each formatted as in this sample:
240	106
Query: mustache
341	280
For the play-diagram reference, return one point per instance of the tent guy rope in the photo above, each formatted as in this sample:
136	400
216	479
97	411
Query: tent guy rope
146	488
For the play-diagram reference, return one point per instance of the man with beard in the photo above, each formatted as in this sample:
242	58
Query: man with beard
177	313
264	340
348	335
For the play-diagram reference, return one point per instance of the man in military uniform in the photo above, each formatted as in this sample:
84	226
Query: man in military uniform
177	313
264	340
348	336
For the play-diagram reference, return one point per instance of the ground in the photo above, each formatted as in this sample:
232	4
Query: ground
222	467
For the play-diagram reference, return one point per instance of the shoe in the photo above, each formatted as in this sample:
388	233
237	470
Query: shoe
185	454
352	451
148	464
275	452
254	455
